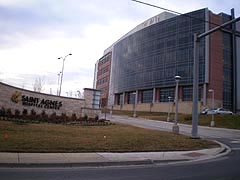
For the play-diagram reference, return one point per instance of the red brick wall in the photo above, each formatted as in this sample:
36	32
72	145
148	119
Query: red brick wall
107	74
139	96
216	60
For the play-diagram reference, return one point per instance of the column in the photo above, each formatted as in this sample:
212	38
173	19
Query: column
123	99
154	92
204	95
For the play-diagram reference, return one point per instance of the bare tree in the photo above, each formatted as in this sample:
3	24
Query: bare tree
104	106
1	73
80	94
38	84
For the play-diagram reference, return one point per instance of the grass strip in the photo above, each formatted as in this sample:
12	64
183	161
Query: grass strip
221	121
114	138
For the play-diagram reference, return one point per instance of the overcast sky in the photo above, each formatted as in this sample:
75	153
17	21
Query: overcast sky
35	33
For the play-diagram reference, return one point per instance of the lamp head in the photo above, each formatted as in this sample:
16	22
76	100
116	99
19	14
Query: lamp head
178	78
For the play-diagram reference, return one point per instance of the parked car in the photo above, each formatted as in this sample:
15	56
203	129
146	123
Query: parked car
219	111
212	111
223	111
205	111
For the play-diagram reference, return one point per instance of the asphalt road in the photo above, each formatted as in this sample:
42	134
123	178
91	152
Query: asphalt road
224	168
221	169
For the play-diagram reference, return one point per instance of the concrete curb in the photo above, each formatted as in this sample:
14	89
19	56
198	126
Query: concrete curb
90	164
83	164
222	151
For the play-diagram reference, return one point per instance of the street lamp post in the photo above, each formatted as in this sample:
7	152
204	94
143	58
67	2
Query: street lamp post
212	121
135	104
62	71
58	83
175	127
169	99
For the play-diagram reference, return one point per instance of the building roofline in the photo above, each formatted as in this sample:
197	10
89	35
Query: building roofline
149	22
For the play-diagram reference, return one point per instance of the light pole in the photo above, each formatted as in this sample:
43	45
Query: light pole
79	94
58	83
212	121
175	127
197	38
62	71
168	117
135	104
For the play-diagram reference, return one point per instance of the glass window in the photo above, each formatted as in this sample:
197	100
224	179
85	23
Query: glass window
147	96
165	93
131	97
187	93
121	99
228	70
151	57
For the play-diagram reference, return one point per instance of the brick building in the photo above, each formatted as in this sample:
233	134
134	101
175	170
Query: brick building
102	69
145	61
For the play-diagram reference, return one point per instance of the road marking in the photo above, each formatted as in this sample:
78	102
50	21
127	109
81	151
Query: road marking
235	142
235	149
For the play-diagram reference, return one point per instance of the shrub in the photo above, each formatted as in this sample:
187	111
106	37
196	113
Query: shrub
92	120
64	117
85	117
44	116
17	113
53	117
96	117
188	118
9	113
25	112
81	119
38	117
2	112
74	117
33	115
102	120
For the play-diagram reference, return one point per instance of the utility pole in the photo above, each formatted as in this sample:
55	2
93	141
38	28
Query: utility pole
63	58
197	39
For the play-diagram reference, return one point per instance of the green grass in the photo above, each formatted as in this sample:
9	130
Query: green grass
114	138
221	121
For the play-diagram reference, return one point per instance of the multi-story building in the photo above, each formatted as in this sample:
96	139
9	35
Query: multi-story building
102	77
145	61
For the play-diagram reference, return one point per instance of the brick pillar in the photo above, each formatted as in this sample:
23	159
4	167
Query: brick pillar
117	99
126	98
139	96
180	93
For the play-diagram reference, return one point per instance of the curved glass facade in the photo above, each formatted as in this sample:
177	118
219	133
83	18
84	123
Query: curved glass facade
151	57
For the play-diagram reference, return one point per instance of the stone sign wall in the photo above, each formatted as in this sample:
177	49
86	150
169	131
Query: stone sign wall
19	99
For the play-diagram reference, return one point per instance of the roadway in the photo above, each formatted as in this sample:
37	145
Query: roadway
227	167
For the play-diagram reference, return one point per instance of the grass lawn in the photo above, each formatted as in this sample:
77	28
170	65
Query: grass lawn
114	138
221	121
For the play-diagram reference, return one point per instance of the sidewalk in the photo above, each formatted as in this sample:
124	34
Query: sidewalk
107	159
